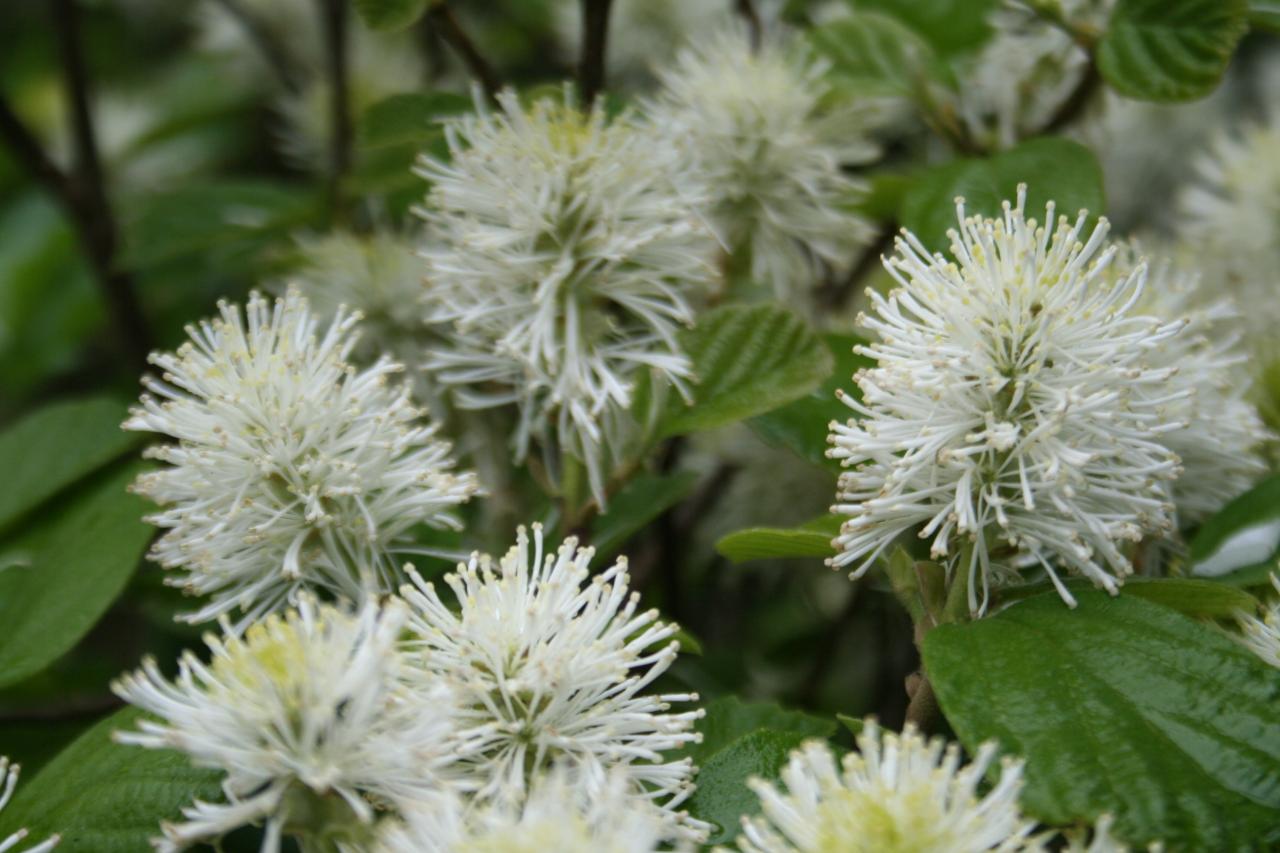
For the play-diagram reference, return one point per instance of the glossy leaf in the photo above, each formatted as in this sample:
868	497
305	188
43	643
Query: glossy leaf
1170	50
103	797
1120	706
1056	169
803	426
812	539
643	499
748	360
1241	543
54	446
62	573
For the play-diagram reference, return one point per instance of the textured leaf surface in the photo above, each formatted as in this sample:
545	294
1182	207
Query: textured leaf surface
803	426
872	54
1170	50
1056	169
1125	706
58	577
748	360
729	718
723	797
55	446
104	797
812	539
1241	543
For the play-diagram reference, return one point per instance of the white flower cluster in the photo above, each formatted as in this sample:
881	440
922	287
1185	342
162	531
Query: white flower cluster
1013	416
9	781
763	146
898	792
518	713
291	469
564	259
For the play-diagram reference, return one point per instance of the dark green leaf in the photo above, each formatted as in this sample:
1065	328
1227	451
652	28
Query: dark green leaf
1241	543
813	539
951	26
409	118
390	14
748	360
1054	169
64	571
729	718
54	446
107	798
1120	706
1170	50
1192	596
803	425
872	54
723	797
643	499
228	220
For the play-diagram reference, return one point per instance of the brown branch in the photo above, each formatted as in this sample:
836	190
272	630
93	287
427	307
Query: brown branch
838	294
595	36
445	24
341	134
755	26
82	192
1074	106
923	708
266	43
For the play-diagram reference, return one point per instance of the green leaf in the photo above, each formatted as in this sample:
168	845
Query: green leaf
722	797
951	26
1056	169
64	571
54	446
1170	50
1192	596
1265	15
855	725
390	136
812	539
729	718
390	14
873	54
1241	543
1120	706
748	360
803	426
228	221
104	797
642	500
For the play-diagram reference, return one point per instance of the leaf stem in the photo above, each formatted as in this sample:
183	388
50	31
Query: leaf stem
595	37
445	23
341	135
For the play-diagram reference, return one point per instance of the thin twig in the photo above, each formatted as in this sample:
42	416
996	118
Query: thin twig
838	294
595	37
1071	109
83	192
923	709
755	26
341	134
445	24
267	44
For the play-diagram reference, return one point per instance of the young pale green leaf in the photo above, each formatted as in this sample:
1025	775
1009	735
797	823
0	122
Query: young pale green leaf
643	499
390	14
729	718
62	573
722	797
872	54
107	798
1053	169
950	26
1265	15
802	426
53	447
1241	543
1170	50
812	539
748	360
1120	706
